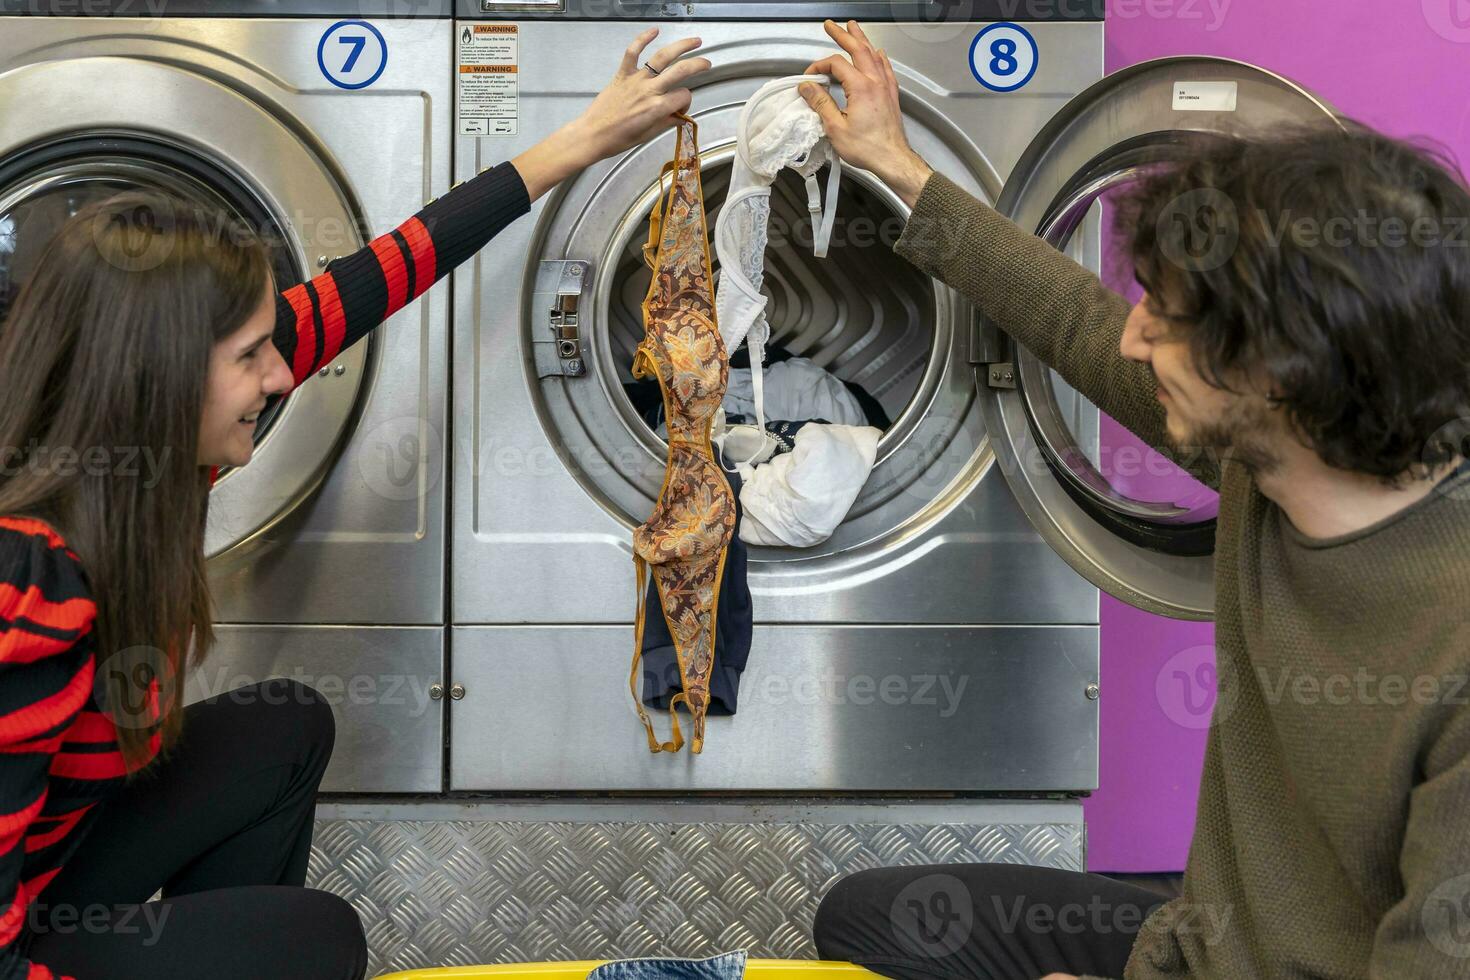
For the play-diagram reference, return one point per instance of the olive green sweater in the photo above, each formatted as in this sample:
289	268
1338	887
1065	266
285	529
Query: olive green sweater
1332	837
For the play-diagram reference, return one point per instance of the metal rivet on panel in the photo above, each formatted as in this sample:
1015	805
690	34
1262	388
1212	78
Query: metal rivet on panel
457	691
1092	692
436	692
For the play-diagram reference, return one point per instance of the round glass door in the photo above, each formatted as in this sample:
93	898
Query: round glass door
1117	511
228	151
41	190
1113	475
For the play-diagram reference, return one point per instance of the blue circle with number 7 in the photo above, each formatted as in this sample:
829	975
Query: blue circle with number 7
352	54
1003	57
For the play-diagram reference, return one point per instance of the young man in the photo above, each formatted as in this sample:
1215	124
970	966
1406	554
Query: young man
1325	372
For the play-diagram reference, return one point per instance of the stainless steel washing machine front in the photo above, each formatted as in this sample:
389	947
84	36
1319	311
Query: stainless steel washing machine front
936	578
552	470
327	550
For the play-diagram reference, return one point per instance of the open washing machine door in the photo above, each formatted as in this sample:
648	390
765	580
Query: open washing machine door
225	151
1120	514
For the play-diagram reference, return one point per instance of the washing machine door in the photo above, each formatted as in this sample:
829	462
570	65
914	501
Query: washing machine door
1148	541
77	141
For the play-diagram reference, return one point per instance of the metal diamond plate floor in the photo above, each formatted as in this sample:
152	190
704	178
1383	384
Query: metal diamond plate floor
447	892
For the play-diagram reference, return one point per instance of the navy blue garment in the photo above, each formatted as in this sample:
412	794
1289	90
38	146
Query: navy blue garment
784	431
733	623
726	966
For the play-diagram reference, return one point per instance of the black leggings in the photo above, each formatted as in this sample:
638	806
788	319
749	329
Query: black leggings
981	922
223	827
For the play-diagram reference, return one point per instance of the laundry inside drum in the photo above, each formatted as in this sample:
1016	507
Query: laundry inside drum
851	333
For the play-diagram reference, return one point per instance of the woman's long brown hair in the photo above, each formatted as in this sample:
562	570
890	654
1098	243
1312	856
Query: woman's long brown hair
103	364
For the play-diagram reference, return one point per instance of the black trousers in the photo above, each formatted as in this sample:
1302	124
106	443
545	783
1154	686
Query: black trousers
981	922
223	826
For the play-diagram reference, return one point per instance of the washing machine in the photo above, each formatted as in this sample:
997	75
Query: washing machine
945	639
327	551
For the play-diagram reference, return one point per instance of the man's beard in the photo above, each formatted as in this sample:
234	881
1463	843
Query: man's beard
1242	434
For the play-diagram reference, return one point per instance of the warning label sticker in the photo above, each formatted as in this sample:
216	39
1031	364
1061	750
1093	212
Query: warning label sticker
489	93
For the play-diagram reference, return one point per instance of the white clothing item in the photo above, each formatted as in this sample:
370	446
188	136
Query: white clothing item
796	389
744	442
798	499
776	129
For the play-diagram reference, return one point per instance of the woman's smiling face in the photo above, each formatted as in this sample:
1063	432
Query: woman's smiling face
245	369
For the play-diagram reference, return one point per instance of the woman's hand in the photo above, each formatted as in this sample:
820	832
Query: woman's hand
636	106
869	134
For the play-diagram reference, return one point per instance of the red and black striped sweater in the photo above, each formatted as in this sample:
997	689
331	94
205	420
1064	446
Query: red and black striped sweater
58	752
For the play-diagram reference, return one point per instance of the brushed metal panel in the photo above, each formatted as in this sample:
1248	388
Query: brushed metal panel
526	882
378	515
821	709
369	547
535	543
389	731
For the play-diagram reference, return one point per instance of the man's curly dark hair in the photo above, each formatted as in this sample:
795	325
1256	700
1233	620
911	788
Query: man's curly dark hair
1330	262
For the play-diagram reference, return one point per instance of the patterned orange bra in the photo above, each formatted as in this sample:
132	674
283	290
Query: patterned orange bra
685	540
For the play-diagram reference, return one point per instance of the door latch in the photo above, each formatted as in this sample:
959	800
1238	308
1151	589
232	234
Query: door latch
559	285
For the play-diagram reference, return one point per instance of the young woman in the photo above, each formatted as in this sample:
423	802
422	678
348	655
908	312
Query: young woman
166	335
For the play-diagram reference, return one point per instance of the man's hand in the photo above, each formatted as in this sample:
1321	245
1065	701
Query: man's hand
869	134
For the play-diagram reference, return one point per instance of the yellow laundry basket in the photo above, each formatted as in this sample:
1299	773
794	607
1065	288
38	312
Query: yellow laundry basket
578	970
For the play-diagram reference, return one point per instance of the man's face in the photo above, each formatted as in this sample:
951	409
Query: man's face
1198	414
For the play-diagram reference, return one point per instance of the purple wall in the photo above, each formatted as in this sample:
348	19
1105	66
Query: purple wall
1402	66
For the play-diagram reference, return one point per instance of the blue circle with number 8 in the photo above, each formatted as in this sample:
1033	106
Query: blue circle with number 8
1003	57
352	54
